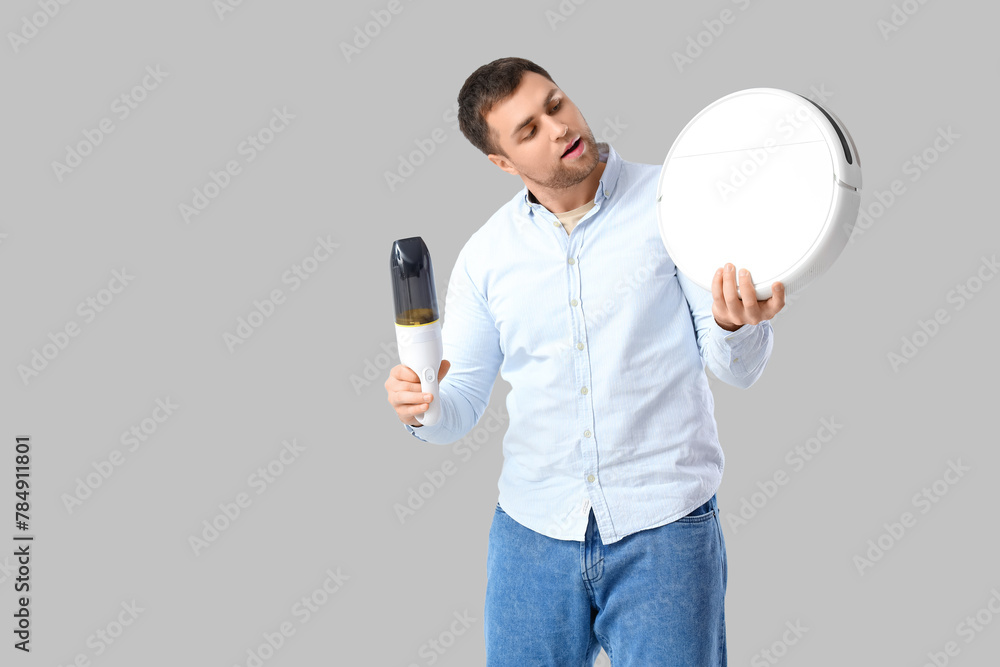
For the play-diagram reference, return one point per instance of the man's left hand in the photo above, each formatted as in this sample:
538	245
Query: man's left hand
730	311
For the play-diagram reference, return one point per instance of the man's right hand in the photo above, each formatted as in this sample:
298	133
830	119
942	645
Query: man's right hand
405	395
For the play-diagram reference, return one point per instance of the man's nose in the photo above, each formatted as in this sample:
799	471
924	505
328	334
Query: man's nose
559	128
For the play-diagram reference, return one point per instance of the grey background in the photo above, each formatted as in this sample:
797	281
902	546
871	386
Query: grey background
302	374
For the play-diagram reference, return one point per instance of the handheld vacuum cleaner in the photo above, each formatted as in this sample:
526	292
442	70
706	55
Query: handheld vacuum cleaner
418	325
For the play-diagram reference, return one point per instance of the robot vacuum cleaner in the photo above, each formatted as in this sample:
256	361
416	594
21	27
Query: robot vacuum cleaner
763	178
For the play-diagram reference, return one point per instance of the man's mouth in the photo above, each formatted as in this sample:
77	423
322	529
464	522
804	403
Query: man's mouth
573	147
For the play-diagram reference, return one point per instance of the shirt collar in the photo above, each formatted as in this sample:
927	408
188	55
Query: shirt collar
606	186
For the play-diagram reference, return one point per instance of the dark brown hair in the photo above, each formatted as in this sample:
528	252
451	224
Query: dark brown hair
485	88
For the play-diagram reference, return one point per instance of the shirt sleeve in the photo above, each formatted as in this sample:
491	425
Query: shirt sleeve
471	343
736	357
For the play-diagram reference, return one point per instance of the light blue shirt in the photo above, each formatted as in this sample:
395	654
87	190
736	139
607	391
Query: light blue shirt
604	345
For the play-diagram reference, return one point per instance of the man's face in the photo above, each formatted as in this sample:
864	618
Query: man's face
535	126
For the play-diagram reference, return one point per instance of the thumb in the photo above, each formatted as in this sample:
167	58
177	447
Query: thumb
445	365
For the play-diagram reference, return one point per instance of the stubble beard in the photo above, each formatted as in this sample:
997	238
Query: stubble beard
568	175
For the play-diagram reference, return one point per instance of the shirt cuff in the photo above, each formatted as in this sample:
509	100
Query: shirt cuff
425	433
441	432
734	337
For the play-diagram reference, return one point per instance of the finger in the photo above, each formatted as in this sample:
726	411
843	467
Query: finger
717	296
445	365
404	373
401	398
729	291
410	410
750	305
398	387
777	300
395	387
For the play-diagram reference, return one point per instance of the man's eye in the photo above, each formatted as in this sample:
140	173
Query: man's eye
556	106
528	135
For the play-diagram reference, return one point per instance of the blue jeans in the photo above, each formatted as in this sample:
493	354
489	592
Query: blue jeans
656	597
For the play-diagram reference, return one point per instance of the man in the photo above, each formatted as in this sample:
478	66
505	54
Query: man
607	531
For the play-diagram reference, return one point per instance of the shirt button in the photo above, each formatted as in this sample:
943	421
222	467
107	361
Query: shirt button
607	193
579	346
556	223
572	261
574	302
583	391
590	478
586	434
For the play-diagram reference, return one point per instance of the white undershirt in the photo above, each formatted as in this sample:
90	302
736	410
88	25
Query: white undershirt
570	218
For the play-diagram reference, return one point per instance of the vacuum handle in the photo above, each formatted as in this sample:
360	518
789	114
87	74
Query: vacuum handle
429	385
420	350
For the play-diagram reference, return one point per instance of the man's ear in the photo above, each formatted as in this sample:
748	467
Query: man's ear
503	163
